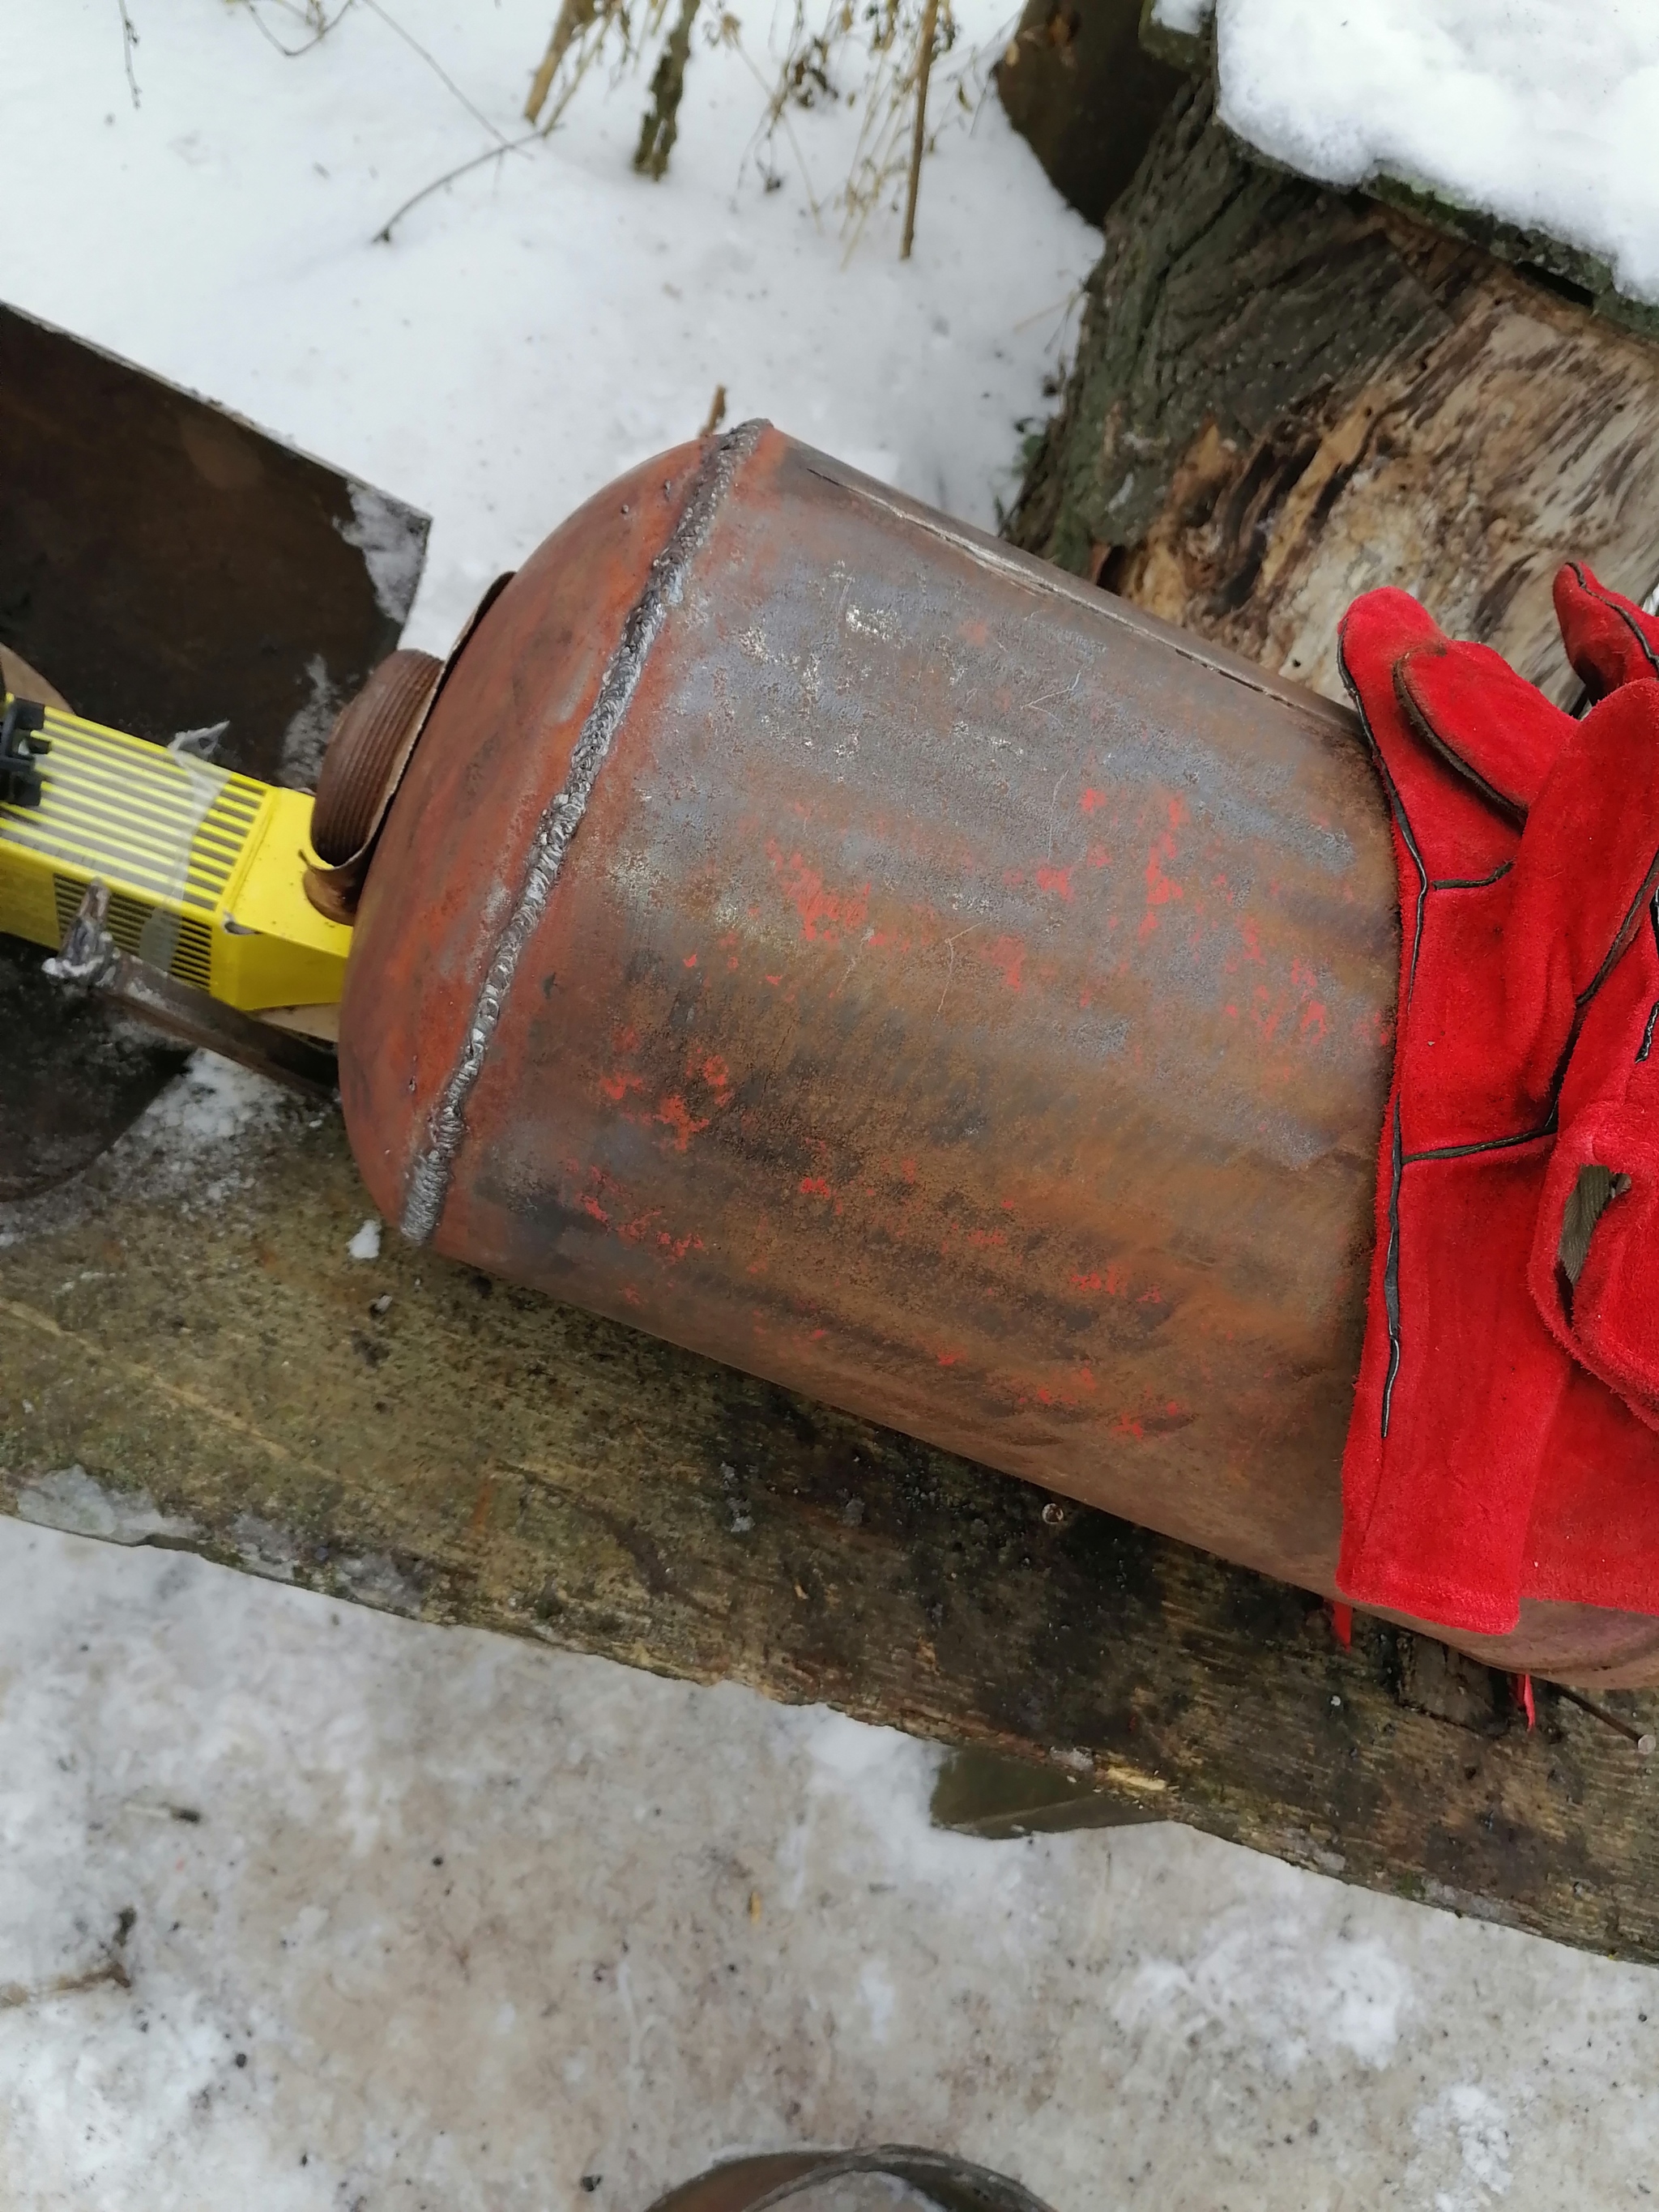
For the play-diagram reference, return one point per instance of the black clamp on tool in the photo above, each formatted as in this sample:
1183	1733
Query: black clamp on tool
20	746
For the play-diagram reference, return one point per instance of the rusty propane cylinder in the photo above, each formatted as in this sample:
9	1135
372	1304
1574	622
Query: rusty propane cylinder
813	932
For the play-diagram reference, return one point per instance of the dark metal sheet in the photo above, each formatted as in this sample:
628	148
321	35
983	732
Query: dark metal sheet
168	566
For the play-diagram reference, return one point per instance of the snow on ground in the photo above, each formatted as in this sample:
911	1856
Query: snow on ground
1542	112
427	1920
424	1918
546	322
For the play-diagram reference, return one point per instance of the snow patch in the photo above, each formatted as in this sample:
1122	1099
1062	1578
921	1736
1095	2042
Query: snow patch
1186	18
306	738
876	1989
1480	2125
213	1102
77	1503
1542	113
391	540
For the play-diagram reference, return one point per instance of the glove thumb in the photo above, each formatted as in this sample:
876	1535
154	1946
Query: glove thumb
1609	639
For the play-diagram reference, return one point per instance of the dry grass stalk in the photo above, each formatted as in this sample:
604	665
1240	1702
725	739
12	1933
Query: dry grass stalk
574	16
129	40
919	141
660	126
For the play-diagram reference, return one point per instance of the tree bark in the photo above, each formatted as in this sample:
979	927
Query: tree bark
1284	396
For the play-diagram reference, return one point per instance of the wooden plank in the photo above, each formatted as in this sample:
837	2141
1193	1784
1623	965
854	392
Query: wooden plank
188	1354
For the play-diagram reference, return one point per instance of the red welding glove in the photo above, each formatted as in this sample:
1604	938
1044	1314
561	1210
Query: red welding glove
1526	845
1594	1265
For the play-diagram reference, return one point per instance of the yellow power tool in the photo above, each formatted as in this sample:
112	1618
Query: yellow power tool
193	872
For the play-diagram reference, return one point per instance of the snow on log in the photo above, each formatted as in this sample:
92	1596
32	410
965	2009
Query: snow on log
1283	395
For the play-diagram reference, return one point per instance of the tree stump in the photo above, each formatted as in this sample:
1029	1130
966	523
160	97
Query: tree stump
1284	396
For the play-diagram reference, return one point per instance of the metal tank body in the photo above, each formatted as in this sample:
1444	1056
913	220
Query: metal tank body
815	933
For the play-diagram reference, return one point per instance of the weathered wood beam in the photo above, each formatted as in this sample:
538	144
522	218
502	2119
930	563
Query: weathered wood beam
189	1355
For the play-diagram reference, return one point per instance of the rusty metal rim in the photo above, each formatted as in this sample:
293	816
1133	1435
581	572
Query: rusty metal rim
335	891
754	2185
367	740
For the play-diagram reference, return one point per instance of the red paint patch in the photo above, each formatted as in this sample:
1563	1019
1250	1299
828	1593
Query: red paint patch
815	1187
1160	890
1091	799
825	915
1057	880
676	1247
674	1113
1007	953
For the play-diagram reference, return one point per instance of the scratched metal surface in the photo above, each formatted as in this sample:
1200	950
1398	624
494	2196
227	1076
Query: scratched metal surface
963	1001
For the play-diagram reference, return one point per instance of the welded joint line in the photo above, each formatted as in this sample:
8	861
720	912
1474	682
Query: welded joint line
664	588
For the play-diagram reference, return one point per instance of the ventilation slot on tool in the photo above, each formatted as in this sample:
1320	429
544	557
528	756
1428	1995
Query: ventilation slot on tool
187	944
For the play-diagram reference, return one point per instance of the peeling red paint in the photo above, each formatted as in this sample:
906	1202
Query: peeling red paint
1160	890
674	1113
1114	1280
815	1187
713	1073
825	915
1007	953
1057	880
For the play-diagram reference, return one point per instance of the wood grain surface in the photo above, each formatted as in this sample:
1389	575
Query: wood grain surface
189	1355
